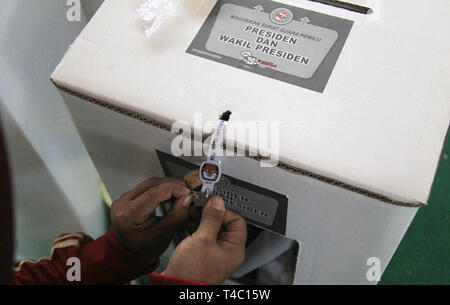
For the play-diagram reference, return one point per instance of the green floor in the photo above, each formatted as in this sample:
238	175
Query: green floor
423	256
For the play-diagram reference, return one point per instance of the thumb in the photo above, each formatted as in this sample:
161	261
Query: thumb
212	218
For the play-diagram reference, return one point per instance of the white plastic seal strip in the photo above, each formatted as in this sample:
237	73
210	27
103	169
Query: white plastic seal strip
153	13
210	170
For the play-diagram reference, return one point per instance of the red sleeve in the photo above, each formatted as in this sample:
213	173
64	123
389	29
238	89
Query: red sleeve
159	279
102	261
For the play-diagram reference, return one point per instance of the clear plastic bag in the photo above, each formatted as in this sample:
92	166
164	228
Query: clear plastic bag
153	13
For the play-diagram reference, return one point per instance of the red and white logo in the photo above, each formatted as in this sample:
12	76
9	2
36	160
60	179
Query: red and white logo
281	16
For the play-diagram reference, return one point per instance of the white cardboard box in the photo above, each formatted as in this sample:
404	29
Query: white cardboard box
360	134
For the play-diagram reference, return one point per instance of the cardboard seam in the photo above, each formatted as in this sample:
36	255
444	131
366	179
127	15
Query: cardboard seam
284	166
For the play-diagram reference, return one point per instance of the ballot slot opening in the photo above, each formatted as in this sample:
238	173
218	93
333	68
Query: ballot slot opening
347	6
271	259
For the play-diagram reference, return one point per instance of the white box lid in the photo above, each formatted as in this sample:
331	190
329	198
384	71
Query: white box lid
379	124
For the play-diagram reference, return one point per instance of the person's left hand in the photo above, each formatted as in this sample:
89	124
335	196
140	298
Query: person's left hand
137	230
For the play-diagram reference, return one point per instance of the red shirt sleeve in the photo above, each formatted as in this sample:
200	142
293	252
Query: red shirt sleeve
159	279
101	261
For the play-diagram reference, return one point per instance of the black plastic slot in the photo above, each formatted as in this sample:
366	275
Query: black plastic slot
346	5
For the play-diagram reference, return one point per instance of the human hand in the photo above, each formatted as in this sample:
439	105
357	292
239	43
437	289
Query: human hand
145	235
215	250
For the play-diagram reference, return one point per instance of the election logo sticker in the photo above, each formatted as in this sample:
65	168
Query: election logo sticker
210	172
289	44
281	16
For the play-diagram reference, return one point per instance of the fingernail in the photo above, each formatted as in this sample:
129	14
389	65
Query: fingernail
186	190
187	201
218	204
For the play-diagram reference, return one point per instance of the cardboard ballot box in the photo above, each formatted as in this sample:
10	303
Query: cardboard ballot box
356	108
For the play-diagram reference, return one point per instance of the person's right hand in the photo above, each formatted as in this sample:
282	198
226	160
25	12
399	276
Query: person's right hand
215	250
